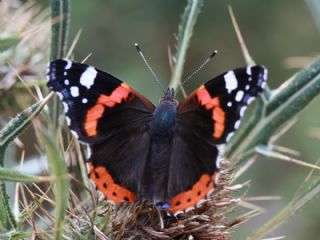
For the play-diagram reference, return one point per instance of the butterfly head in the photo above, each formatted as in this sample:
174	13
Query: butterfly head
169	96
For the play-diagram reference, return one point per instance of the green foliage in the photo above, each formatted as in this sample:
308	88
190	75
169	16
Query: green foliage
13	128
58	171
186	26
17	176
9	42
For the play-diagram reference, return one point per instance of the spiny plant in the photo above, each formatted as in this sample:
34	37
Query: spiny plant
62	206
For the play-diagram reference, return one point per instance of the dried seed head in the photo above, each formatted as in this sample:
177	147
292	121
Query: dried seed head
144	221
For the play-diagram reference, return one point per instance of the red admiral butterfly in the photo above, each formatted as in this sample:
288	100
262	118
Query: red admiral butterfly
168	154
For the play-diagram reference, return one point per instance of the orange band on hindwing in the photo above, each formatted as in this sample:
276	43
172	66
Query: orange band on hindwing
190	198
106	185
96	112
218	114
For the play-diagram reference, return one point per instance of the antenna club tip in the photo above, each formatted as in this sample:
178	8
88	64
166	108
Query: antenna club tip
137	47
213	53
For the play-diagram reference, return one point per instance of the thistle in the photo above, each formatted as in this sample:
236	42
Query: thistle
67	206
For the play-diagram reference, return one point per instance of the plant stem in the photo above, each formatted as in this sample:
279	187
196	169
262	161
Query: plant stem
59	31
189	18
59	39
314	7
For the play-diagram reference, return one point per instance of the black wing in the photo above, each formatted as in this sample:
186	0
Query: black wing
205	120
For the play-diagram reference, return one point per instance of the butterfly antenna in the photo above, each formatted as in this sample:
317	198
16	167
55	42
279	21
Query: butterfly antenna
149	67
201	66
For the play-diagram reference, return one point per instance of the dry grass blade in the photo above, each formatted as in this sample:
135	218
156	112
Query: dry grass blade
279	156
249	60
74	43
307	191
275	238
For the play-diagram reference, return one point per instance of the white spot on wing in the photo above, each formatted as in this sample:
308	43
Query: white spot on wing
219	159
200	203
239	96
211	191
242	110
66	82
89	152
265	74
237	124
65	107
189	209
248	70
231	81
247	87
69	64
84	100
87	78
75	134
177	213
229	104
74	91
250	100
230	135
68	121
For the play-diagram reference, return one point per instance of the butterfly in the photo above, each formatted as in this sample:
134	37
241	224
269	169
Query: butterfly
170	153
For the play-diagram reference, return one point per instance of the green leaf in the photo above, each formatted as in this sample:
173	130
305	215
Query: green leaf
9	42
12	235
16	176
12	129
61	185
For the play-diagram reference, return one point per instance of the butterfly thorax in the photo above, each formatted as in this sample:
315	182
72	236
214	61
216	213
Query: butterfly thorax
164	119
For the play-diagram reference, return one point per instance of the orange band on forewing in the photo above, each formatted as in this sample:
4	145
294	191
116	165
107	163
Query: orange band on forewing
190	198
96	112
203	95
105	184
91	123
218	115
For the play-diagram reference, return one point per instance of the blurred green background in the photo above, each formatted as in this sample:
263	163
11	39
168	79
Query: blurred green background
275	31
